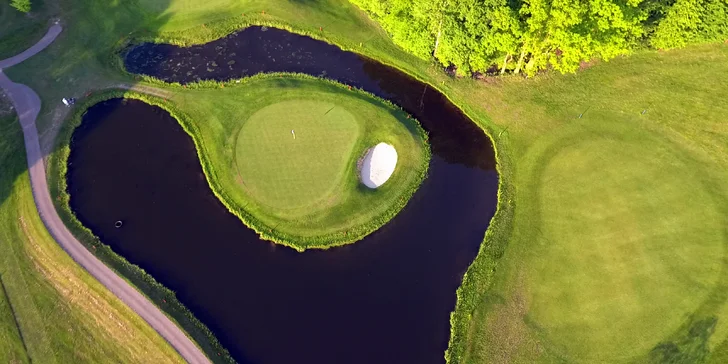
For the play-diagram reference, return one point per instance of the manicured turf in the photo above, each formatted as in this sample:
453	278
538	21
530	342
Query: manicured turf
294	154
51	310
608	243
618	243
303	192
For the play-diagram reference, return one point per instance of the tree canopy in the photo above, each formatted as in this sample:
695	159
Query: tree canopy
21	5
532	35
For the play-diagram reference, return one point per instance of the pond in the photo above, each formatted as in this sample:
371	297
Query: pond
385	299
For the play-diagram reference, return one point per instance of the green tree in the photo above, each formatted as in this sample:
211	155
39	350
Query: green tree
408	24
532	35
562	33
478	33
21	5
692	21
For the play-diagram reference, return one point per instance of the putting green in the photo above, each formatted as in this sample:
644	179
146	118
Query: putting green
304	192
294	154
625	262
626	254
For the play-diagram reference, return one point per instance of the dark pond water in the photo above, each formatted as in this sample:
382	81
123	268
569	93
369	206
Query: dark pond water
385	299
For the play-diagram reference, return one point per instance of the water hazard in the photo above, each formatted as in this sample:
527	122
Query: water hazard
385	299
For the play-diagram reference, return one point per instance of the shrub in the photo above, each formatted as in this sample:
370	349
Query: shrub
21	5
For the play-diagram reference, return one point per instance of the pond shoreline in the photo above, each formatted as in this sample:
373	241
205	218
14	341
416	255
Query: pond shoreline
449	154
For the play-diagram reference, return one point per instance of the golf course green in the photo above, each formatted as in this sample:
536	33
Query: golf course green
290	146
296	170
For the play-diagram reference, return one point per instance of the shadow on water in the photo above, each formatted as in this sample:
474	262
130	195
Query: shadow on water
386	299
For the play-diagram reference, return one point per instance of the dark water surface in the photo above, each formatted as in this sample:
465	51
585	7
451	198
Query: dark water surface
385	299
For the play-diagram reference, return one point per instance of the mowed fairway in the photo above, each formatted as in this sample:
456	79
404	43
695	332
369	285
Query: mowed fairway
630	247
617	252
294	154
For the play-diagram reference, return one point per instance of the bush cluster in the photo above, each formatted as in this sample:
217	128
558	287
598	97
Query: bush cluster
499	36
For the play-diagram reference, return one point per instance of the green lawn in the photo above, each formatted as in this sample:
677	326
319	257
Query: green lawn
51	310
617	252
12	349
286	170
18	31
608	245
306	190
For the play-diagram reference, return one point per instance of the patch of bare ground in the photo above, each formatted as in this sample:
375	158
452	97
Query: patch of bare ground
588	64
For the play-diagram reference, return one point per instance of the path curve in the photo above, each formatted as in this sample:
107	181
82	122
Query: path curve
27	105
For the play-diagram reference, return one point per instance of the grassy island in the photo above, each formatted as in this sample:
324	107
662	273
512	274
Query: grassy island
282	153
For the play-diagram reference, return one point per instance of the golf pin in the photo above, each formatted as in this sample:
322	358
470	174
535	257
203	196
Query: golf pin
294	134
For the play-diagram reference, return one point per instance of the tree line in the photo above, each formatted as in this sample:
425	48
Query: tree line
532	35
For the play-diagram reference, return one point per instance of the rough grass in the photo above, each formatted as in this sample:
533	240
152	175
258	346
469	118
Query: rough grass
12	348
293	155
51	310
617	251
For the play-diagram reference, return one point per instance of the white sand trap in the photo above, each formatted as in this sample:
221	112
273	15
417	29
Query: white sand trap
378	165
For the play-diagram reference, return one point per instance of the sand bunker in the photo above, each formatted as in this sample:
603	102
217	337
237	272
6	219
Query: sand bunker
377	165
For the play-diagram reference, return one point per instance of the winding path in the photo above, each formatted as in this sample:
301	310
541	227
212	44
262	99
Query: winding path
27	105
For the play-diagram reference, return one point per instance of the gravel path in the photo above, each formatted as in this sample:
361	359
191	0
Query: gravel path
27	105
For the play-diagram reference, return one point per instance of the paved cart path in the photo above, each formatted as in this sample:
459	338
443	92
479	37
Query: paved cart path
27	105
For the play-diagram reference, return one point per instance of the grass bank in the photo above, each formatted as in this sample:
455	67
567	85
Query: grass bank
19	31
51	310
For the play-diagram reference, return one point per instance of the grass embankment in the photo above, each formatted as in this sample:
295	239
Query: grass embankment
618	243
303	192
51	310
